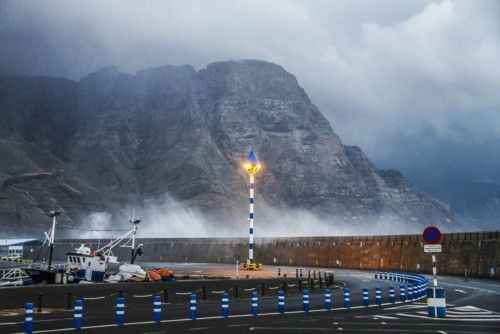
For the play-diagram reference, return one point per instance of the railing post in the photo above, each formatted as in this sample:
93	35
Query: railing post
378	296
305	301
347	298
40	302
392	295
157	309
402	293
120	311
28	318
68	301
165	295
225	305
255	304
78	313
281	302
328	299
192	306
366	297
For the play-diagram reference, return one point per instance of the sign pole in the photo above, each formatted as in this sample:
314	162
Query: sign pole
434	270
237	265
436	297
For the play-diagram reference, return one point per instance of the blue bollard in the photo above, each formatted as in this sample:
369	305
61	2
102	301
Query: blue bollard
192	306
120	311
328	299
157	309
402	293
28	318
77	316
378	296
225	305
255	304
436	302
410	292
366	297
392	295
281	302
347	298
305	300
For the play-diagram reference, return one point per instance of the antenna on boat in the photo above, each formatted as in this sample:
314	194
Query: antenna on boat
134	222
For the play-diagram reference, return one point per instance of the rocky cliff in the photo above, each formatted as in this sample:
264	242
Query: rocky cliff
114	140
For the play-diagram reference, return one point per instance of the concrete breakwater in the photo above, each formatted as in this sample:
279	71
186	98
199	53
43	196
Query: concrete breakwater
476	252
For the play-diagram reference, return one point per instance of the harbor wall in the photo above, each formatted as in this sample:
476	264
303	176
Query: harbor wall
477	252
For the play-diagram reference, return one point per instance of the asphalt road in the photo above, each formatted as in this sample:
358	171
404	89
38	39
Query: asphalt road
472	307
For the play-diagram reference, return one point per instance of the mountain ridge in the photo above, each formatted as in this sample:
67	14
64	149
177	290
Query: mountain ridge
118	139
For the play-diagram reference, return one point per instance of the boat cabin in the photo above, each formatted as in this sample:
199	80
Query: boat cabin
87	266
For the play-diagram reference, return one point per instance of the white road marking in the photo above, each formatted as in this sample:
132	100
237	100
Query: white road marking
385	317
442	332
340	328
383	323
496	292
376	317
406	307
462	313
461	291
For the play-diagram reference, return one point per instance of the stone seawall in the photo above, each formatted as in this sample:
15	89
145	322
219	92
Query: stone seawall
476	252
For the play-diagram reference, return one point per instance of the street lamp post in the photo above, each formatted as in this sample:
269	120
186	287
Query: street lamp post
252	166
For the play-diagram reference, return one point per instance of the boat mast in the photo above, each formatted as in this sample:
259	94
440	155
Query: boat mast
53	214
135	222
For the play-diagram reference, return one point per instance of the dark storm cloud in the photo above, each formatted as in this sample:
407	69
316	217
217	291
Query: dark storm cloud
414	83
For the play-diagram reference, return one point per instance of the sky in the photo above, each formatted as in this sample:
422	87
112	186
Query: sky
415	84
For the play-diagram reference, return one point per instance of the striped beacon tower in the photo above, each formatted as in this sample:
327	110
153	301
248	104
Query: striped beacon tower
252	166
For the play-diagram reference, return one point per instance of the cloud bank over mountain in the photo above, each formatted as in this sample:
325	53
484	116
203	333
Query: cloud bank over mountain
414	83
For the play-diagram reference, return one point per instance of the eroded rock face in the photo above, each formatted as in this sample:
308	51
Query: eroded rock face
113	140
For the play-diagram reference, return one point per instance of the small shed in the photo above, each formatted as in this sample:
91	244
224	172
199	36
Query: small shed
16	248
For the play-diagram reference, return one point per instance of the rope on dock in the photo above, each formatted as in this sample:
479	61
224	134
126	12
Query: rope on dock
94	298
218	292
275	287
142	296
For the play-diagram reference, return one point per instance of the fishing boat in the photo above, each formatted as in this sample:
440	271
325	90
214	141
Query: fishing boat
47	273
86	265
83	264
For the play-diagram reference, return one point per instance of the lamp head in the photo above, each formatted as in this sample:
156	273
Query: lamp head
252	165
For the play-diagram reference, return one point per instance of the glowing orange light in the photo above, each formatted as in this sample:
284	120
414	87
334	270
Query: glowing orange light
252	168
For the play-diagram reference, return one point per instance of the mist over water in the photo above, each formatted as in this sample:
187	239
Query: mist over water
166	217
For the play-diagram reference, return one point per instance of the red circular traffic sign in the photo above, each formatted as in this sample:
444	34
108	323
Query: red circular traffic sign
432	235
